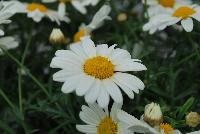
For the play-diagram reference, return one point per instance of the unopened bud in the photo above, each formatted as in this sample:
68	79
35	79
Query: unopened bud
192	119
153	114
57	37
122	17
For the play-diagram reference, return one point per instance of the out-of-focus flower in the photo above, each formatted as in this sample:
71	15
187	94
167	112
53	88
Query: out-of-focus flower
7	43
122	17
100	121
4	16
96	22
37	11
79	5
140	126
161	6
183	14
57	37
97	72
153	114
192	119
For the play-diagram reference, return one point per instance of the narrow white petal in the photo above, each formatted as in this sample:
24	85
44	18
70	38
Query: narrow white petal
113	90
89	129
84	85
93	93
187	24
88	46
103	99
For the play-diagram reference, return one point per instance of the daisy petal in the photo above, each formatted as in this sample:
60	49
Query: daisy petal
187	24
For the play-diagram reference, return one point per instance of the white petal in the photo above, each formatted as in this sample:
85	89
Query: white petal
80	7
129	65
88	46
119	55
89	129
93	94
103	99
114	110
130	81
78	50
187	24
127	90
113	90
61	9
63	75
68	54
84	85
89	116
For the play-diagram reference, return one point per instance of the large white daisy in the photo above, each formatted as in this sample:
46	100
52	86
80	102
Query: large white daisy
79	5
100	121
84	30
97	72
162	6
183	14
36	11
139	126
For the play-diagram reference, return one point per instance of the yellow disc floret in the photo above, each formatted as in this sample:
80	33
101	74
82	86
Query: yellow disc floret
99	67
167	3
184	12
166	127
77	36
34	6
107	126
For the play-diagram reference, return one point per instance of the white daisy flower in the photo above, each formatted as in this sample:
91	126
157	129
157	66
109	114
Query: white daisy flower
37	11
100	121
161	6
7	43
4	16
139	126
79	5
183	14
97	72
97	21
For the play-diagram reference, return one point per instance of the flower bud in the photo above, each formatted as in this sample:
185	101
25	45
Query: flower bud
122	17
153	114
57	37
192	119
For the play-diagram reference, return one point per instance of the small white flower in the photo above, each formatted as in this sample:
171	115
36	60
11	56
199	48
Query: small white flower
100	121
139	126
37	11
7	43
161	6
79	5
57	37
183	14
97	72
97	21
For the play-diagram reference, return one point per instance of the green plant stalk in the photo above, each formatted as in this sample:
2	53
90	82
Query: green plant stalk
27	71
7	99
20	74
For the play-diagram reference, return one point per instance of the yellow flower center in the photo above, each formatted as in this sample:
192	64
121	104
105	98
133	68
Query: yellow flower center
99	67
65	1
184	12
34	6
166	127
77	36
107	126
167	3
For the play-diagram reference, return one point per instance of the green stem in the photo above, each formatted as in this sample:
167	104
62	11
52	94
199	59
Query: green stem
20	73
195	46
27	71
7	99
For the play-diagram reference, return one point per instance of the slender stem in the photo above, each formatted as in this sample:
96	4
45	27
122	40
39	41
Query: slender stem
194	45
20	73
7	99
27	71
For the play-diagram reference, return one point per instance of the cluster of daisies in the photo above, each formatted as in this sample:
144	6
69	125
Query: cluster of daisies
164	13
100	72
